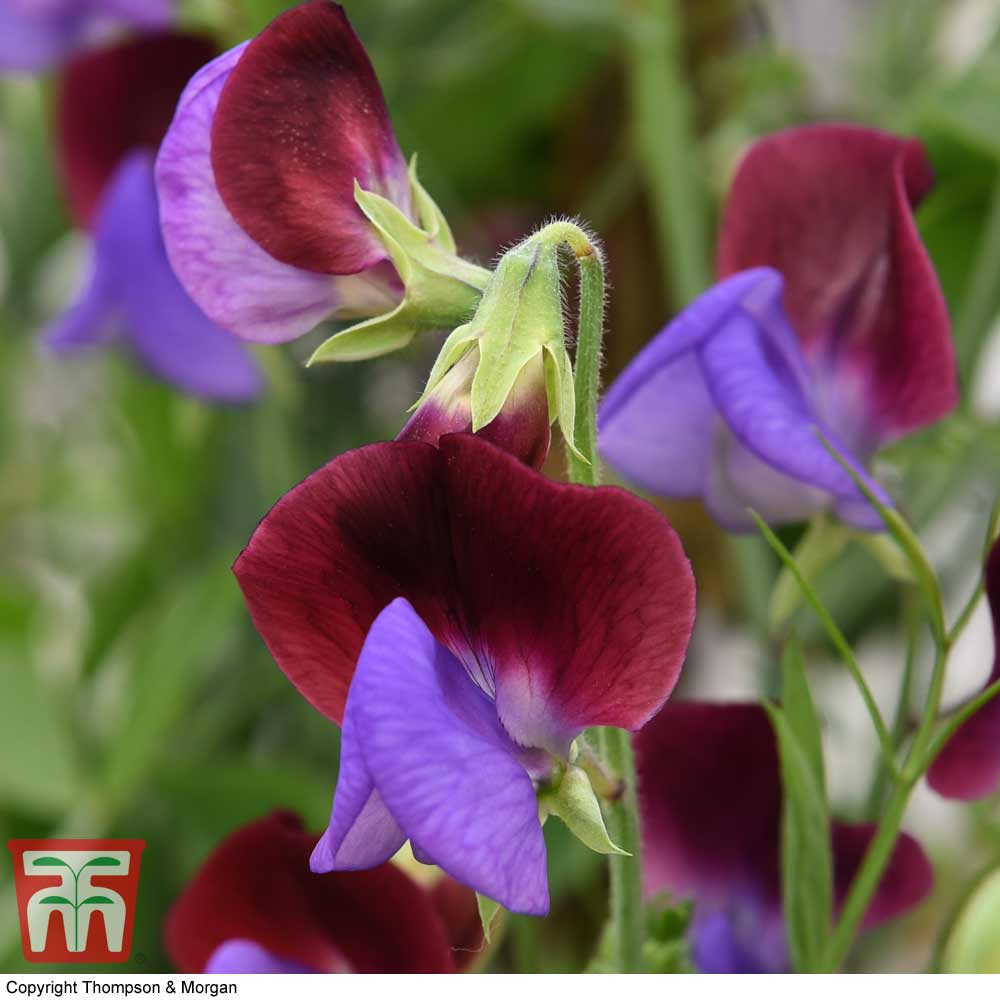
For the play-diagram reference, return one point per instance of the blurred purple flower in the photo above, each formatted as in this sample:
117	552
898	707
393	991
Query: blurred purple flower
968	767
107	166
464	619
829	316
36	35
710	800
256	179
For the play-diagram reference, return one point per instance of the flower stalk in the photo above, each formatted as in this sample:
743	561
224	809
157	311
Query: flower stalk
614	745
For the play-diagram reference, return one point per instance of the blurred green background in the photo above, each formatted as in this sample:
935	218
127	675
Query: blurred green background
135	697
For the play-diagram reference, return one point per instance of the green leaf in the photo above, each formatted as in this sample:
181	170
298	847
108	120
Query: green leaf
806	863
182	637
40	775
575	803
97	901
488	910
102	863
50	863
57	899
800	710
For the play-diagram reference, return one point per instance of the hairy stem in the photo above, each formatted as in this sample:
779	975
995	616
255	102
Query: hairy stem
615	745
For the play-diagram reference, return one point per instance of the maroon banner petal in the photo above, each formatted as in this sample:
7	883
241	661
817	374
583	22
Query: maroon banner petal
257	886
573	605
906	881
113	100
968	767
831	208
301	118
710	799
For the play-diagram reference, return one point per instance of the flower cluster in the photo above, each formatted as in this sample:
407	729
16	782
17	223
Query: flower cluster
462	617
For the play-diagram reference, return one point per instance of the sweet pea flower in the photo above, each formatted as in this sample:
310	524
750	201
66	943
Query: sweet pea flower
255	907
968	767
38	34
710	802
106	163
828	317
258	176
464	619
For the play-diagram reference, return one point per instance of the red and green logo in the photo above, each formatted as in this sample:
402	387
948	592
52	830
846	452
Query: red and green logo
76	898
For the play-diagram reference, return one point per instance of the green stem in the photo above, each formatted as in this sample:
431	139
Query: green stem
665	141
887	833
615	745
622	818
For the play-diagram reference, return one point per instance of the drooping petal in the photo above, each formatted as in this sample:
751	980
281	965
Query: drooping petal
906	881
232	279
166	330
373	921
573	605
305	100
442	764
240	957
135	84
969	765
831	208
710	802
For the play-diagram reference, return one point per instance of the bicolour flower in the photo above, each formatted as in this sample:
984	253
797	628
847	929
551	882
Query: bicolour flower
464	618
828	317
710	801
968	767
255	907
257	180
38	34
106	163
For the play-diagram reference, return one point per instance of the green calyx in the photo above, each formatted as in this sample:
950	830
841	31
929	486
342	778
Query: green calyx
571	797
519	321
440	288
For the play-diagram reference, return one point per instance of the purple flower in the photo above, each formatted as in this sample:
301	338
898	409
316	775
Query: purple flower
465	619
710	802
37	34
106	162
828	317
257	174
968	767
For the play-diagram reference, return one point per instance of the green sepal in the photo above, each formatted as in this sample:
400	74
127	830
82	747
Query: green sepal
574	802
488	910
519	321
440	289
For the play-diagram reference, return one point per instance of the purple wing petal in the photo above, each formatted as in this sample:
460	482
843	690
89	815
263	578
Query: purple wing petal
657	420
238	957
94	319
168	332
443	765
969	765
32	40
234	280
140	13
